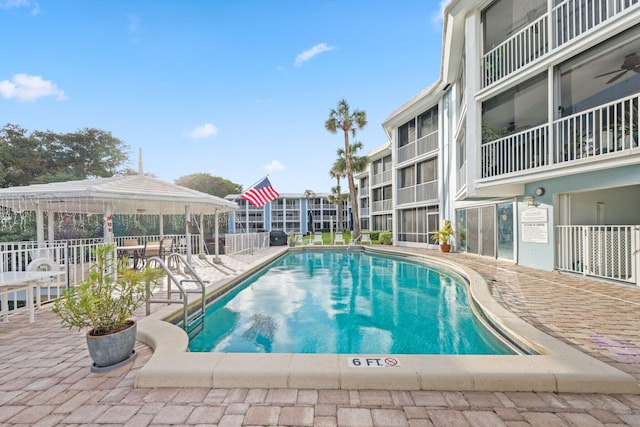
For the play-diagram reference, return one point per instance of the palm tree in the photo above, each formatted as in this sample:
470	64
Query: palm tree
359	163
308	194
349	122
337	198
337	172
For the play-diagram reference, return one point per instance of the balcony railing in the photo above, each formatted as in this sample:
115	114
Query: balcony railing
570	18
381	205
522	48
600	131
427	191
407	152
462	176
605	129
363	191
575	17
382	178
516	153
427	143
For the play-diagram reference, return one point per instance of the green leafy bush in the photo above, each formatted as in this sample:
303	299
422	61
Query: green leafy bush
385	237
108	298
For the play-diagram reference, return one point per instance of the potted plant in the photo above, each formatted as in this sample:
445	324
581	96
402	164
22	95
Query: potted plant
443	236
105	303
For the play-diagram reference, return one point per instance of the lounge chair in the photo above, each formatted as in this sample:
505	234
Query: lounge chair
365	239
339	239
317	239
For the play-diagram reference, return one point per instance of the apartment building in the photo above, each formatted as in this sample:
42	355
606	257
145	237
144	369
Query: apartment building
528	142
292	213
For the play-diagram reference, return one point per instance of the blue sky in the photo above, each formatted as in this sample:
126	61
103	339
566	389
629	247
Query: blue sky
237	89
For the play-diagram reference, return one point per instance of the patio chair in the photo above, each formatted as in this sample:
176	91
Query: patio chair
166	247
123	252
339	239
151	249
365	239
317	239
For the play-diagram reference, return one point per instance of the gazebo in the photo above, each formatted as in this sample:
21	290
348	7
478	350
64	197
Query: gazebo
129	194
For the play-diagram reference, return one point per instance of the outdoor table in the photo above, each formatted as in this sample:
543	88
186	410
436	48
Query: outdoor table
135	250
19	280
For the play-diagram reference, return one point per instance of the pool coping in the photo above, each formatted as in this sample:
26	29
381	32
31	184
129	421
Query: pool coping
557	367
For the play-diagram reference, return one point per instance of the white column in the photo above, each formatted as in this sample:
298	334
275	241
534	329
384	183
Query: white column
216	236
187	220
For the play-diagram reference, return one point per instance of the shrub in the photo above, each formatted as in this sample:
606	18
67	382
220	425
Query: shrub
385	237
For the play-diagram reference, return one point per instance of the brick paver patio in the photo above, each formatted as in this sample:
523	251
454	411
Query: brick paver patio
45	378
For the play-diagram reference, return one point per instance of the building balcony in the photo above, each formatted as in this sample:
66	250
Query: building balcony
382	178
569	19
381	206
594	134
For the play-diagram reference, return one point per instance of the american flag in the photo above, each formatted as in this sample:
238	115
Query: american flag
260	194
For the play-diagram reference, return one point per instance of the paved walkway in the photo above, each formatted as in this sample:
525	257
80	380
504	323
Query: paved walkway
45	378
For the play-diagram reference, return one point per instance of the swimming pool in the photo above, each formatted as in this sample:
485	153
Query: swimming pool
339	302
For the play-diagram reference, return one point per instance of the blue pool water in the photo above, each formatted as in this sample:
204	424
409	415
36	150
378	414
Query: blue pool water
346	302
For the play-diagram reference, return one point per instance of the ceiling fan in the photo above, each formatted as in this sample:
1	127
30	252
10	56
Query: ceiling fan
631	63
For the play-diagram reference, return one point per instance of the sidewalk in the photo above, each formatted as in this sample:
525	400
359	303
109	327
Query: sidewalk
45	378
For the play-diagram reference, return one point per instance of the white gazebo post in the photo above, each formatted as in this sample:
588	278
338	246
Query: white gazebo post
202	242
51	227
107	225
187	221
216	241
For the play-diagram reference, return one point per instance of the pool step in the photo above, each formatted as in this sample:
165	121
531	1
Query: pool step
195	325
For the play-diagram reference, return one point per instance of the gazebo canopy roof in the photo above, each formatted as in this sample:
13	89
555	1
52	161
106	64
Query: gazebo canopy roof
130	194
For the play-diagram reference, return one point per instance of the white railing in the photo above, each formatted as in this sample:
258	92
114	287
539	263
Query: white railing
427	143
381	205
364	212
406	195
522	48
575	17
605	129
407	152
606	251
516	153
364	191
246	243
427	191
382	178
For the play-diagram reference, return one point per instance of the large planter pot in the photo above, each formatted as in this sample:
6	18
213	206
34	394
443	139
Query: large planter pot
445	248
113	350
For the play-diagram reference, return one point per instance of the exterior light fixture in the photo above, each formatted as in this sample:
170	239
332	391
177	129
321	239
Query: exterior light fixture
539	191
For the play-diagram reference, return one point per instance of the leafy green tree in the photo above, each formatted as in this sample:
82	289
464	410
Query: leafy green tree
349	122
46	156
209	184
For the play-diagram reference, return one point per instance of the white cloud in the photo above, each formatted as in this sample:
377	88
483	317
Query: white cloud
14	4
310	53
29	88
204	131
273	166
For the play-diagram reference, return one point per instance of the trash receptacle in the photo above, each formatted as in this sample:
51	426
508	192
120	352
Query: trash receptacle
277	238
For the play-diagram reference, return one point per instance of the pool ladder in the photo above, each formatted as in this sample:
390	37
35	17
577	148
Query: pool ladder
191	322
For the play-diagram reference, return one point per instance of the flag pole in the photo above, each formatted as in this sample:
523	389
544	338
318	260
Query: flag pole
254	184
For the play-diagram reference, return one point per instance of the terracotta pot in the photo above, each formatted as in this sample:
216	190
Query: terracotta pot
445	248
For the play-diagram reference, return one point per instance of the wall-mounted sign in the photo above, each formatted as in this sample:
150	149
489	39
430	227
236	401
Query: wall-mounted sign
534	225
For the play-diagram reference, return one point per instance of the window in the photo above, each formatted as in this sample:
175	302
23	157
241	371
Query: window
428	171
599	76
516	109
407	133
428	122
504	18
406	177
